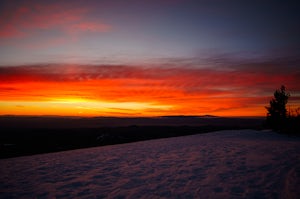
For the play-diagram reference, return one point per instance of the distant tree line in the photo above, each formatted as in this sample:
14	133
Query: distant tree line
279	118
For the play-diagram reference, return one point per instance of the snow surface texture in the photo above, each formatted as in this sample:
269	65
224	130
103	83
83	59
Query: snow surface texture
224	164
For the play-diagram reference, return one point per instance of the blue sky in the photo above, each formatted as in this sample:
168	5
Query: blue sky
140	31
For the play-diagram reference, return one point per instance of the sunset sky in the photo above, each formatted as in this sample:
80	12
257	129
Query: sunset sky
147	57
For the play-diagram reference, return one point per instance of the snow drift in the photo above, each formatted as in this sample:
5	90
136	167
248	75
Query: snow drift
224	164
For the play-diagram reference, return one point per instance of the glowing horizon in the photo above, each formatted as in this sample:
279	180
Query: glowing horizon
101	90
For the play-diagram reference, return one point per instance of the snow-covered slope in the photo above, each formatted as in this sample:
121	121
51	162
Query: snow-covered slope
224	164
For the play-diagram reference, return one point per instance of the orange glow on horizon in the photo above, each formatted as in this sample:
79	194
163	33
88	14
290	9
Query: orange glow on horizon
128	91
109	98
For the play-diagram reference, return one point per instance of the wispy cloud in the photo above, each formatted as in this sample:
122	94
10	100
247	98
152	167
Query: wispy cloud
26	20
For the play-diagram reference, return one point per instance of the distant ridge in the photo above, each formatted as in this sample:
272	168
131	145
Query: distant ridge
96	122
189	116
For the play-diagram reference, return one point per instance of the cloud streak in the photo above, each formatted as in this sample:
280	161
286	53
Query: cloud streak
185	90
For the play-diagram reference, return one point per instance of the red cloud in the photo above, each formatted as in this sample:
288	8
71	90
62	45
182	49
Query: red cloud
90	26
188	79
25	20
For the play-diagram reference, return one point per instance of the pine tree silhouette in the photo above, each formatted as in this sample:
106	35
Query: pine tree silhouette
277	112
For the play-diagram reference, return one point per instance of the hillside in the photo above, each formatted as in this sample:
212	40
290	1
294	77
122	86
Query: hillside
223	164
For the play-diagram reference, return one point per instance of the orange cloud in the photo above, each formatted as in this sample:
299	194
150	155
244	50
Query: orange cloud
142	90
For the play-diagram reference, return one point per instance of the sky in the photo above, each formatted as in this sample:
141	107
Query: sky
147	57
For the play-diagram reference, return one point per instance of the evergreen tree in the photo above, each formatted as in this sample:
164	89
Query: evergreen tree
277	112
